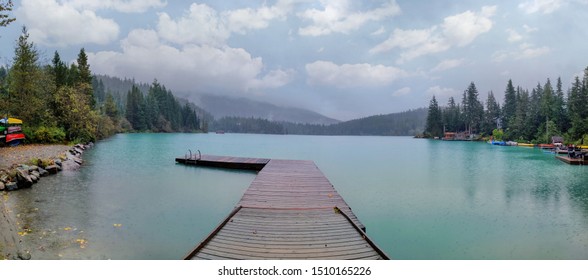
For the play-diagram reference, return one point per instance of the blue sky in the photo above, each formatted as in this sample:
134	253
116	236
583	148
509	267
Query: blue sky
345	59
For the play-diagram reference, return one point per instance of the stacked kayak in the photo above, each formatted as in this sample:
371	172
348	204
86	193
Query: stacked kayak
11	131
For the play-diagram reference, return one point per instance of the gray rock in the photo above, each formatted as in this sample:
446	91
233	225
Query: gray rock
11	186
70	165
53	169
58	162
24	255
43	172
23	179
36	173
33	168
2	186
34	178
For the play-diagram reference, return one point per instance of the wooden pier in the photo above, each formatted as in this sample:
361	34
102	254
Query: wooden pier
573	161
290	211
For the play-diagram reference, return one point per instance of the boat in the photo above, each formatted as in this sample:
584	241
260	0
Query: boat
498	143
11	131
511	143
525	145
546	146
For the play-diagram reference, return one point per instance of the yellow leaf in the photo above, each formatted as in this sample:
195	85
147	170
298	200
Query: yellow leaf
67	228
117	225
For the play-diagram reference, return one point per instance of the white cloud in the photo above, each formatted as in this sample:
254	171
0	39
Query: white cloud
529	51
192	68
352	75
380	31
513	36
125	6
54	24
447	64
401	92
524	51
242	20
457	30
441	92
529	29
341	17
541	6
462	29
210	28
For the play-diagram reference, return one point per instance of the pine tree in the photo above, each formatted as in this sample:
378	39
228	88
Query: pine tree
491	115
5	7
85	77
434	126
509	108
473	110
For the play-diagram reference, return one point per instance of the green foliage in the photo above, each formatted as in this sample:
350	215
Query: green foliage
48	135
497	134
434	126
6	7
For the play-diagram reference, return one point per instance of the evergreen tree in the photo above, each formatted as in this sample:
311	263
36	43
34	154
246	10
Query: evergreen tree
560	116
491	115
451	116
59	70
434	125
509	108
5	7
85	76
473	111
135	112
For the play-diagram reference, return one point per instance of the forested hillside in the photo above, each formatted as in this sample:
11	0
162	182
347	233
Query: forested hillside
398	124
526	115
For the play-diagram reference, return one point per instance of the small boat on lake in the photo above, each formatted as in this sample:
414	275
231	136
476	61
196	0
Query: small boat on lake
528	145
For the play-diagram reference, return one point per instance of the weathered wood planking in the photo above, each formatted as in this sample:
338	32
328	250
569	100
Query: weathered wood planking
572	161
290	211
225	162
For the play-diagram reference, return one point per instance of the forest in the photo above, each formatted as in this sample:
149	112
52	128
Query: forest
66	103
397	124
525	115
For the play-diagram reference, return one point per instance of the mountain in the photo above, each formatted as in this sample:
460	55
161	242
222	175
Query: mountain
408	123
223	106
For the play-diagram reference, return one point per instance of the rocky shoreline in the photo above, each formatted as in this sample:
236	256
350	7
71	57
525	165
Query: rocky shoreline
25	175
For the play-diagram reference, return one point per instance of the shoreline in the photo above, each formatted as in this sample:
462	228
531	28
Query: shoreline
20	168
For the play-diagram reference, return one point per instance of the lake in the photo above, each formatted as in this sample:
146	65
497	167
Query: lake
419	199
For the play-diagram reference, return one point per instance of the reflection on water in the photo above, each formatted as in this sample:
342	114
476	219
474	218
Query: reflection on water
419	199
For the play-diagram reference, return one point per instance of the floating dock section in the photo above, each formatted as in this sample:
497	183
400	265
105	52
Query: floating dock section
573	161
290	211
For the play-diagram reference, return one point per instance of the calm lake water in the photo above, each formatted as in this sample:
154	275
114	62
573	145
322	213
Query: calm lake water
419	199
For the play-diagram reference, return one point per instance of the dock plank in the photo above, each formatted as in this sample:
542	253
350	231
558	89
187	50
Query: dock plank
290	211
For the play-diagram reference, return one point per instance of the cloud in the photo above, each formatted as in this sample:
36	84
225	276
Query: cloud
125	6
192	68
352	75
441	92
447	64
541	6
401	92
524	51
513	36
380	31
341	17
53	24
462	29
529	29
457	30
241	20
210	27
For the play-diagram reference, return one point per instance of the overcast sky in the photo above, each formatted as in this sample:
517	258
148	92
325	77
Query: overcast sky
342	58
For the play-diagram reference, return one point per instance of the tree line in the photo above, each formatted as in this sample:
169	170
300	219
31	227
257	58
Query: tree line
526	115
397	124
63	102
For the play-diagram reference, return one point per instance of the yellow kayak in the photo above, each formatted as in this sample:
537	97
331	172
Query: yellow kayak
14	121
525	145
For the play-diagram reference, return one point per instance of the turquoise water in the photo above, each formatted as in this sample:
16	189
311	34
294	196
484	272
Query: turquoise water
419	199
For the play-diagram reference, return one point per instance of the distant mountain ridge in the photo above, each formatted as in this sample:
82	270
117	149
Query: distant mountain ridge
224	106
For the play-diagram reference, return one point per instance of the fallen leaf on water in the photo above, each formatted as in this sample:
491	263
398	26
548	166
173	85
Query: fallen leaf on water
82	243
67	228
22	233
117	225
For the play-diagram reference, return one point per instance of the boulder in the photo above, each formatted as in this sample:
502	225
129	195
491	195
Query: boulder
34	178
23	179
43	172
11	186
53	169
70	165
36	173
33	168
58	162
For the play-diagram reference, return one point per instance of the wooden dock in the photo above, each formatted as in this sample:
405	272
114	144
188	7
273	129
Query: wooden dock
290	211
572	161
